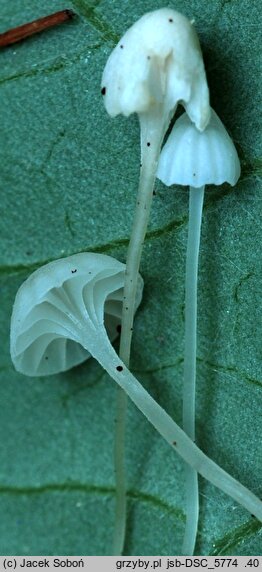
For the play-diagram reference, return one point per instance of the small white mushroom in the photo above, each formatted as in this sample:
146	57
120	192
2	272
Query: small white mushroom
195	159
63	311
66	301
157	63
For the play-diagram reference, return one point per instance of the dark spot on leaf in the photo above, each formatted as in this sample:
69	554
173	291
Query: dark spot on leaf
119	368
148	144
174	443
121	46
171	20
73	271
149	57
154	193
194	174
103	90
46	357
118	328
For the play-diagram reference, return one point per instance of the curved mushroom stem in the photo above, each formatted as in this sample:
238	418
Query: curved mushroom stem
189	387
153	127
98	344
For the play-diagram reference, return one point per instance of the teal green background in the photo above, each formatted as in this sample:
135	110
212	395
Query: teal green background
68	184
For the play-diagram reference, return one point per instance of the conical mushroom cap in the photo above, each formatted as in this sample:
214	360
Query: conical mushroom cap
59	304
196	159
157	61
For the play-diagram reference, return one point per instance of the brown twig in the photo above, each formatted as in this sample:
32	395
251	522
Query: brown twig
22	32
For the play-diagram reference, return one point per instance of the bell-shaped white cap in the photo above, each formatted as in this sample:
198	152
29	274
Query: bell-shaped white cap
196	159
157	61
62	303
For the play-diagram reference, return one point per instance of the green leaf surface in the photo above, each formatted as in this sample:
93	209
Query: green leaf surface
68	184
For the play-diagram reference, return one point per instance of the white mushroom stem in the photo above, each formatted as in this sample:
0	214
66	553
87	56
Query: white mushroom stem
95	340
153	127
120	473
195	216
194	159
189	387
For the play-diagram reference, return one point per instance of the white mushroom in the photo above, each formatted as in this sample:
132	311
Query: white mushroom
156	64
67	300
195	159
63	309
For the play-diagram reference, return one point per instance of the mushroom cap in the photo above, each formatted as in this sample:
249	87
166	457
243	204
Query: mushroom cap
196	159
157	61
61	304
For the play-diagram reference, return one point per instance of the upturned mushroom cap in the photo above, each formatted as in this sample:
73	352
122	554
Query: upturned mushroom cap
196	159
60	304
157	61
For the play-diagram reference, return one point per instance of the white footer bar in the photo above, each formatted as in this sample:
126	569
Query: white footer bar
135	563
